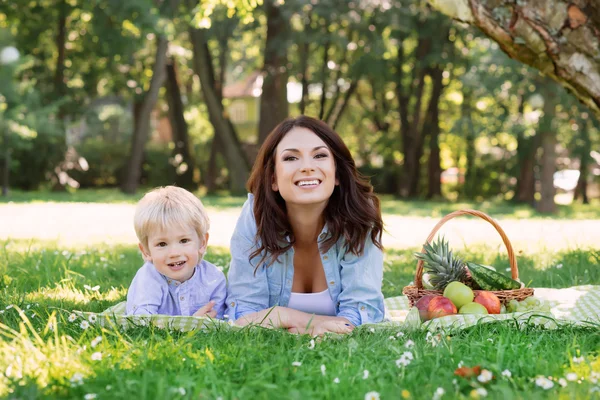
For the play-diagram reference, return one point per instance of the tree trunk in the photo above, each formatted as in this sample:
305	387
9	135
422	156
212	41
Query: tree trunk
61	38
527	148
557	37
184	162
273	100
237	162
142	120
470	152
548	164
434	169
584	162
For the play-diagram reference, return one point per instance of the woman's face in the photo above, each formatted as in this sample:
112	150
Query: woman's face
304	168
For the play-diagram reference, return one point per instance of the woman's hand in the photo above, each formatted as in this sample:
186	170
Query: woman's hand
321	326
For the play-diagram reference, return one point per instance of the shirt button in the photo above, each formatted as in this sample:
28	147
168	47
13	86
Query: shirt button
182	298
322	236
332	282
362	308
325	258
232	303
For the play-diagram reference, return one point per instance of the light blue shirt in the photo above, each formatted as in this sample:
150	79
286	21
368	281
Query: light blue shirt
354	282
151	292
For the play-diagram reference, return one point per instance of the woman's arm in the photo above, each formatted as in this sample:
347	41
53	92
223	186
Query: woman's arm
361	300
296	321
247	291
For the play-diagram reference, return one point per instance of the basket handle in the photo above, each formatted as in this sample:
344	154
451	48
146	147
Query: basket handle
511	254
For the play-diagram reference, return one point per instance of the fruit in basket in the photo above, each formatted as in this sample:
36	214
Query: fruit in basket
427	282
441	265
529	304
459	293
473	308
422	305
488	279
440	306
490	301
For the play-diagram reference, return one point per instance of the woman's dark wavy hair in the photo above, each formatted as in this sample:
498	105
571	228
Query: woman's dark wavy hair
353	210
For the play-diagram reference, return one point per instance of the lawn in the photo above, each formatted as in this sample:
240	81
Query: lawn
43	355
389	204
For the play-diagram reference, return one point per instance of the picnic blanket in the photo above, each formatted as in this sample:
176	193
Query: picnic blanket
578	305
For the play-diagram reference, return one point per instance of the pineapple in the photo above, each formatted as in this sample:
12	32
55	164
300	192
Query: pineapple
441	265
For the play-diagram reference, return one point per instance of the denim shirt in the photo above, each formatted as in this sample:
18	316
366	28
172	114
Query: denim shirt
151	292
354	282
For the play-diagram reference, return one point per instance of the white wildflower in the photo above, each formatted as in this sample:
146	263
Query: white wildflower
72	317
323	369
76	379
562	382
96	340
108	387
92	318
311	345
405	359
559	266
409	343
336	380
8	371
594	377
461	363
8	307
296	363
578	360
84	325
372	330
399	334
544	382
481	392
181	391
372	396
97	356
485	376
571	376
365	374
90	396
392	338
506	373
439	392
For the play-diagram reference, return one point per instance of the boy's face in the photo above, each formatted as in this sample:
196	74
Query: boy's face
175	251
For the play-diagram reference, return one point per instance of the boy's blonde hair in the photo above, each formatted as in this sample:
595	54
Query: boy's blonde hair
168	206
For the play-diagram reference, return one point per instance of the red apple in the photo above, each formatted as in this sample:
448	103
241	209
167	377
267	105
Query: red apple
489	300
440	306
422	305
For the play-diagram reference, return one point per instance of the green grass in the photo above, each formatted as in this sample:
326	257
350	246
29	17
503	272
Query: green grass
389	204
47	282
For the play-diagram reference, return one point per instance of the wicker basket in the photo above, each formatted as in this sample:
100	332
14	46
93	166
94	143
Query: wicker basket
414	293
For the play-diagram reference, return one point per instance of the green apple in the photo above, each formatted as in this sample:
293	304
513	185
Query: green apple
459	293
473	308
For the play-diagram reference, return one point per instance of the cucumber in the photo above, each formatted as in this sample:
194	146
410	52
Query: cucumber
489	279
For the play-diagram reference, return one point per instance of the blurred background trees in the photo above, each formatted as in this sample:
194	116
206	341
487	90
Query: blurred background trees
156	92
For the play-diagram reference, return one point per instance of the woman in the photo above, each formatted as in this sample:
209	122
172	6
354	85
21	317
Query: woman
306	250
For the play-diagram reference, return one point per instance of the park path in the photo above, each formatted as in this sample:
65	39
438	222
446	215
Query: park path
86	223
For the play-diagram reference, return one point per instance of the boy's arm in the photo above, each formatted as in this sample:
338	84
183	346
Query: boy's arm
145	294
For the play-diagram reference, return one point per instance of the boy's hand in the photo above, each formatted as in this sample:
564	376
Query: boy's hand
206	310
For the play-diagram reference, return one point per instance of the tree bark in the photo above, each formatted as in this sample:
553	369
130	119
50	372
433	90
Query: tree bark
184	162
273	100
561	38
61	38
236	159
142	120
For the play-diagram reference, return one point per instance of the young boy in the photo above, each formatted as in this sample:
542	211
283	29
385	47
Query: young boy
172	227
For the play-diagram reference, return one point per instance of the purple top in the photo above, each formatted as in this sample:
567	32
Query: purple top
151	292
